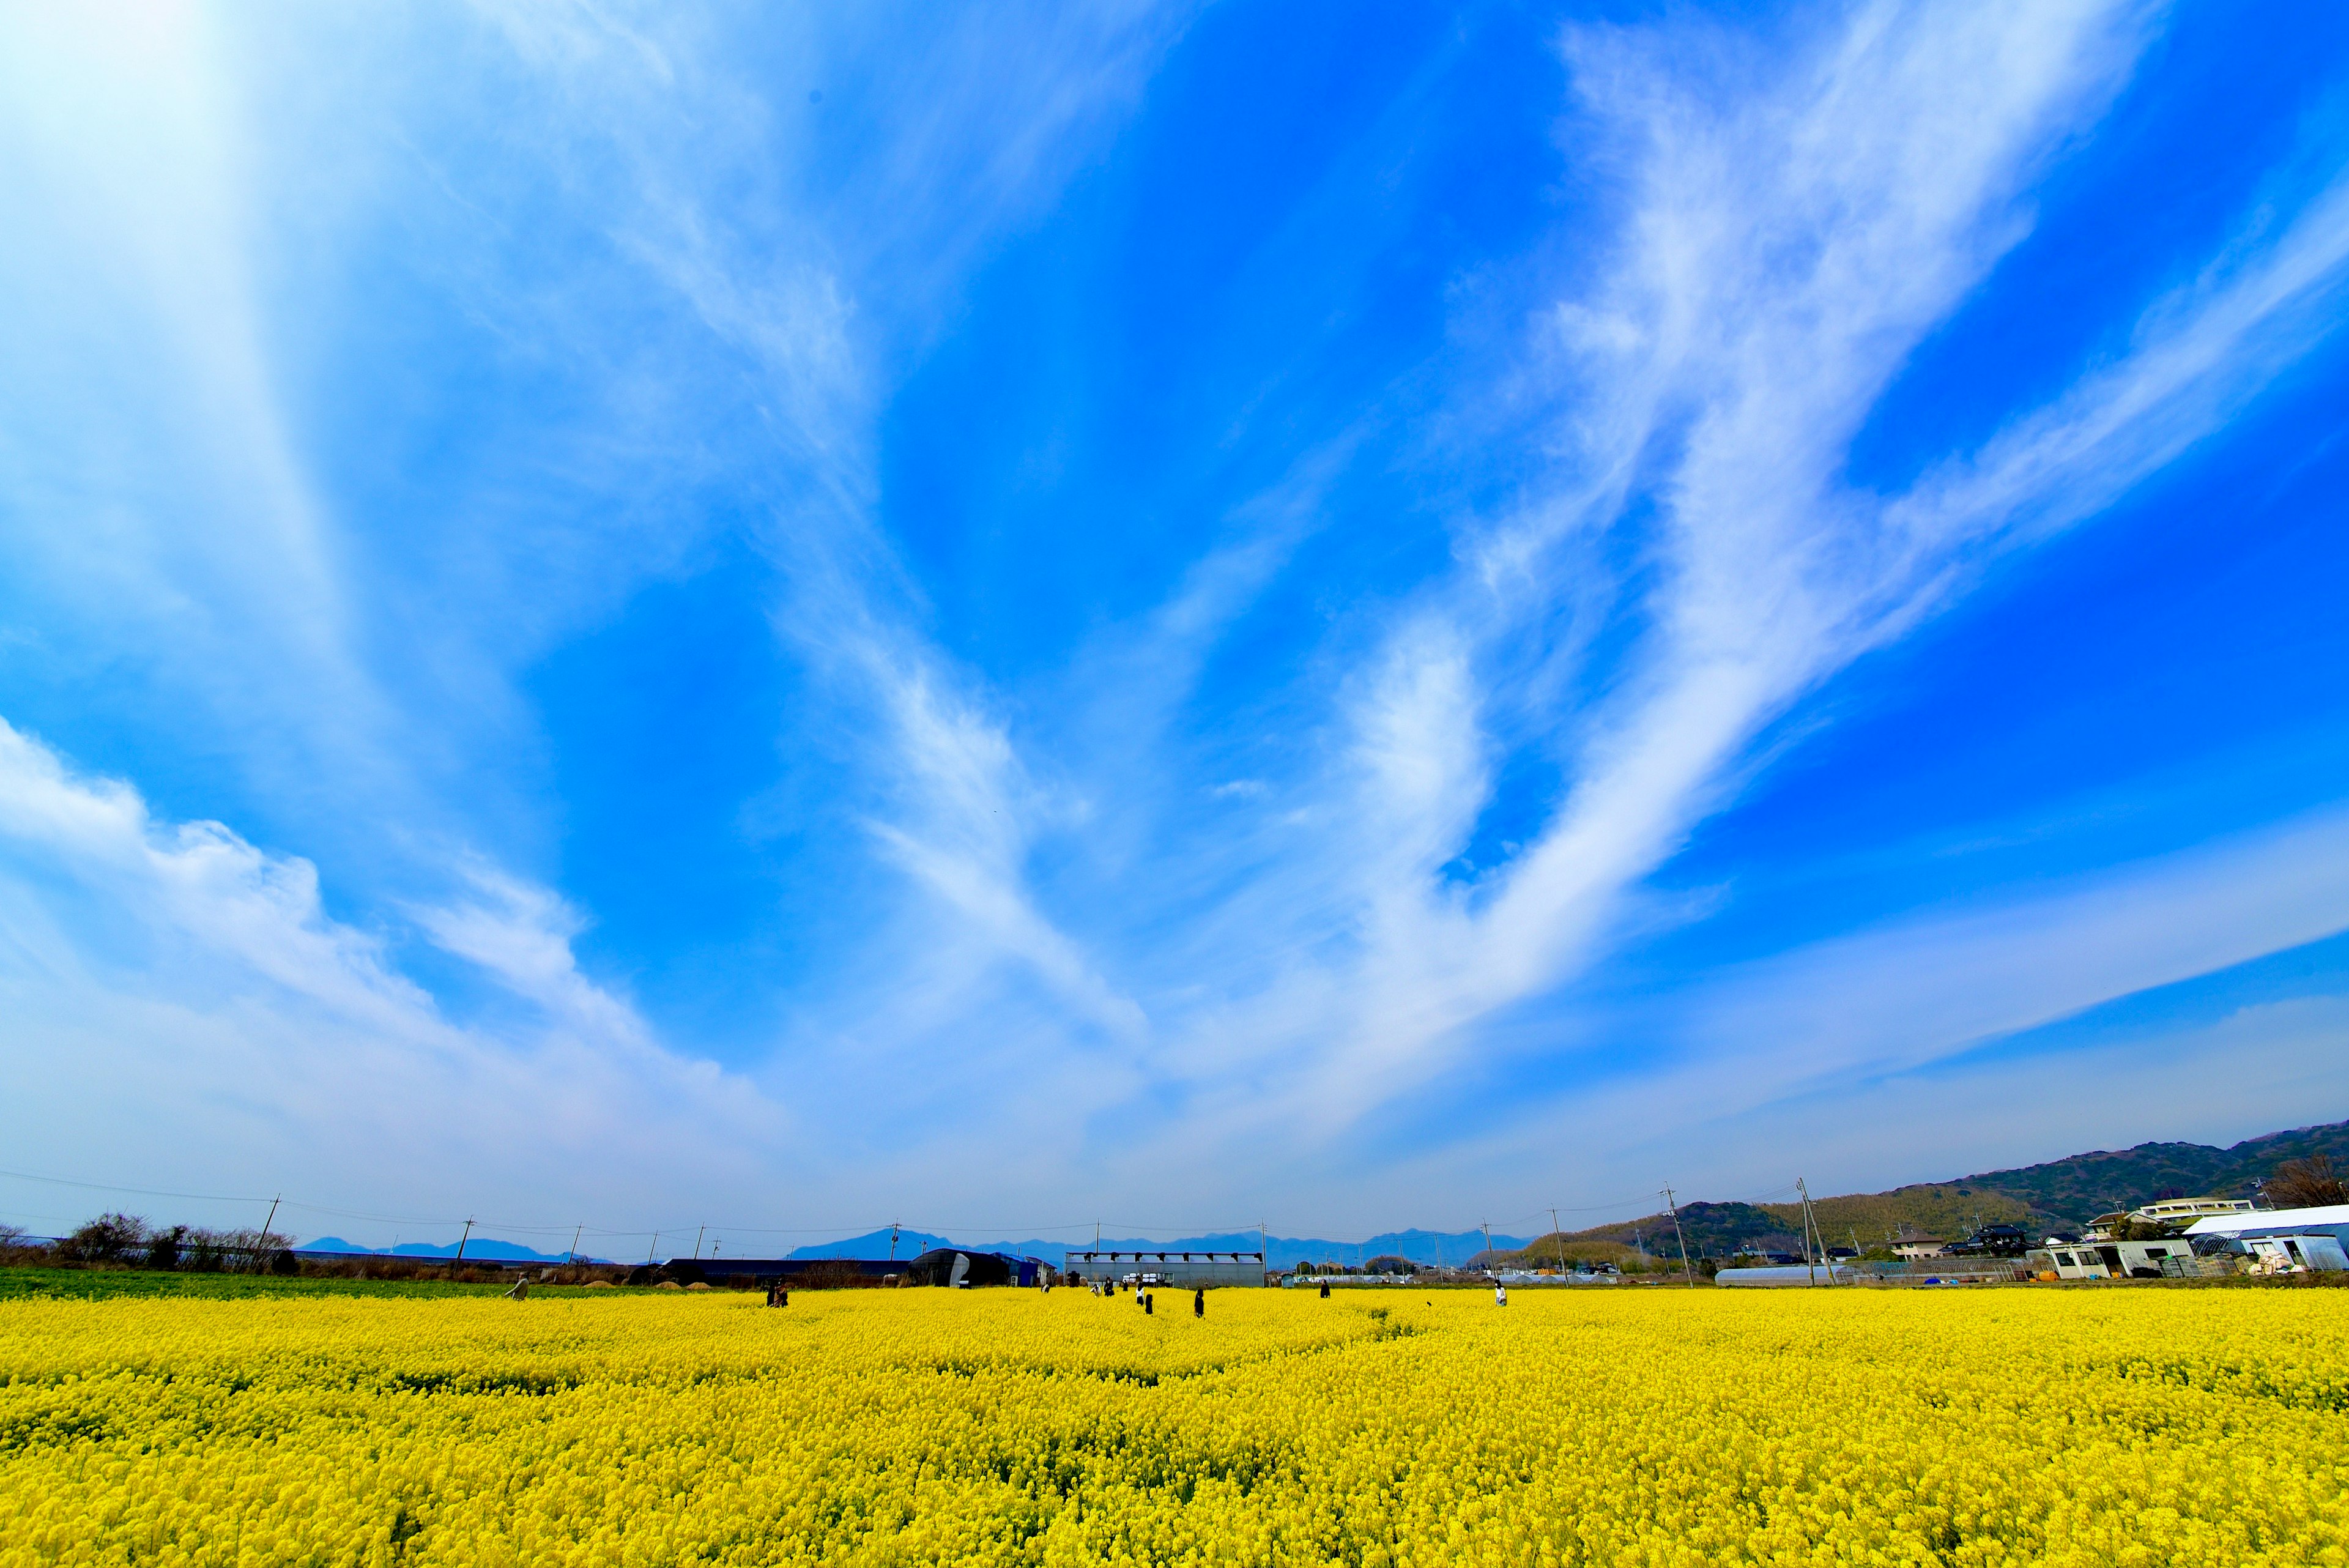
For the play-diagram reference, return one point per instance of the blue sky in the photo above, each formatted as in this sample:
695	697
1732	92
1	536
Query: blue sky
1188	615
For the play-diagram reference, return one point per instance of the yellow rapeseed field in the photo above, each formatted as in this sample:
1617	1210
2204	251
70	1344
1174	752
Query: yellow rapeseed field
2121	1426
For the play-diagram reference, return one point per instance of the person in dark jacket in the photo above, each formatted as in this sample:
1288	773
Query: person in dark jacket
1199	1302
1325	1289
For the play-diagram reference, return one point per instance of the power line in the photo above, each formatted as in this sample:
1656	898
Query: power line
143	1192
841	1232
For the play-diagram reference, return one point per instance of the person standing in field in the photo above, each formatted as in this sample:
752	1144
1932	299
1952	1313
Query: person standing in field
1500	1295
1199	1302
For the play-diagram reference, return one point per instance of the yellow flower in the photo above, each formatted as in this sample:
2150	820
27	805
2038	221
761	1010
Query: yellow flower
1648	1427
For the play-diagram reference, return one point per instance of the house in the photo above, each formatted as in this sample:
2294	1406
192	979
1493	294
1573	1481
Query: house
1752	1254
2185	1211
1914	1251
1581	1275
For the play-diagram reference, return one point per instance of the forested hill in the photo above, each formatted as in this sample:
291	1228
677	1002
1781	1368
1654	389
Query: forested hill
2085	1185
2060	1195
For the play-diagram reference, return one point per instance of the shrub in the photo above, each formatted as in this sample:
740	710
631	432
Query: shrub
831	1274
163	1248
107	1239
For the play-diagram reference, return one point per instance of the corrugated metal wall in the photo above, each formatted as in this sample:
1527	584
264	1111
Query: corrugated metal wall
1185	1269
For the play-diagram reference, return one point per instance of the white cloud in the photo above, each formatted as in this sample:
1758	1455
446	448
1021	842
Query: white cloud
770	268
1792	229
1792	217
160	499
1822	1033
1922	990
1933	1027
183	1010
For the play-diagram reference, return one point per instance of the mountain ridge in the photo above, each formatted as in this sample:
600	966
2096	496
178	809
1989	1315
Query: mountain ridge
2054	1195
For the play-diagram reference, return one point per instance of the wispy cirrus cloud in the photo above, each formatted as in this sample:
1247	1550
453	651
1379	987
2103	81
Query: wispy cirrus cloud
1919	991
658	278
708	282
1794	223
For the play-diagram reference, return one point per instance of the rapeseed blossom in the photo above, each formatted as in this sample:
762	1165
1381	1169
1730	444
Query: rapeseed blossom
1652	1428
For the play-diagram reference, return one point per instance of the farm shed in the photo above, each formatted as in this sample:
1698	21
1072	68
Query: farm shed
1172	1267
2284	1238
756	1273
2331	1221
2103	1259
937	1267
1782	1276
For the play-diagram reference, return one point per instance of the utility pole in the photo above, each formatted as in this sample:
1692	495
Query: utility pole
1488	1242
461	1242
651	1249
263	1245
574	1256
893	1241
696	1243
1809	1268
1561	1238
1673	1209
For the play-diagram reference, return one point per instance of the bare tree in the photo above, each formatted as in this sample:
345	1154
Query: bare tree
105	1240
2310	1183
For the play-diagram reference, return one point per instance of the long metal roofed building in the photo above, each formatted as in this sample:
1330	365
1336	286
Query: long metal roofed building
2332	1219
746	1274
1171	1268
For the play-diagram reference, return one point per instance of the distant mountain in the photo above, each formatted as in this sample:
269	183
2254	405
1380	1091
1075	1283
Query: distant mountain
1452	1247
1444	1247
1447	1248
477	1247
876	1244
2060	1195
